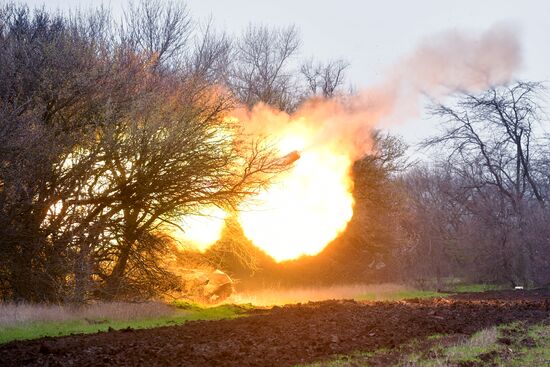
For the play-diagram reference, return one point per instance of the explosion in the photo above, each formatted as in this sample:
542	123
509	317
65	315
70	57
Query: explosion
204	229
306	207
311	204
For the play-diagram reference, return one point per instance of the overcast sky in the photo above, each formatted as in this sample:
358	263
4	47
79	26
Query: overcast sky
373	35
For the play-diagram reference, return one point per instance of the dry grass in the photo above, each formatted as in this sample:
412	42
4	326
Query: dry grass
12	314
481	342
281	296
464	353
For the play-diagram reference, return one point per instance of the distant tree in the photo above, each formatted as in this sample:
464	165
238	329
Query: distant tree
262	69
211	57
161	30
324	79
494	146
373	233
433	222
497	129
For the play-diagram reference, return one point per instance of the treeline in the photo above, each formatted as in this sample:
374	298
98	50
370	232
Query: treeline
480	210
110	132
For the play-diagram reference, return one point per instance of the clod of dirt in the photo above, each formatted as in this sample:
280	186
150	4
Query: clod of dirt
504	340
528	342
488	356
467	364
44	349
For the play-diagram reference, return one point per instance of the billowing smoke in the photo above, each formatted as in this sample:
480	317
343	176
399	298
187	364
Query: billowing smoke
458	61
440	65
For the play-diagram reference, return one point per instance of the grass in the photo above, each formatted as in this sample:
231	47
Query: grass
341	360
396	294
12	314
457	285
399	295
537	353
59	320
18	322
474	288
469	350
23	321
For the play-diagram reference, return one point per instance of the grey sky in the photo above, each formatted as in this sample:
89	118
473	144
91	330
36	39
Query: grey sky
373	35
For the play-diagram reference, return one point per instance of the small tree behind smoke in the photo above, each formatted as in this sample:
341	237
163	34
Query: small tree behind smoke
262	72
324	79
159	29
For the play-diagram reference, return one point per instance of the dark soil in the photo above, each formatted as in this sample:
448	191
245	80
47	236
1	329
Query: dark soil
284	336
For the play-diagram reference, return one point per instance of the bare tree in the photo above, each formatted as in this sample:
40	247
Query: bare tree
262	71
497	127
159	29
169	164
493	145
324	79
50	82
211	57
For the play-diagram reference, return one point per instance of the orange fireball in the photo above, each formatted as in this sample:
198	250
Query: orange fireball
308	206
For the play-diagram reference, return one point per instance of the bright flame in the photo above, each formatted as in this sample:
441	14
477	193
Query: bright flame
303	212
307	207
201	231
